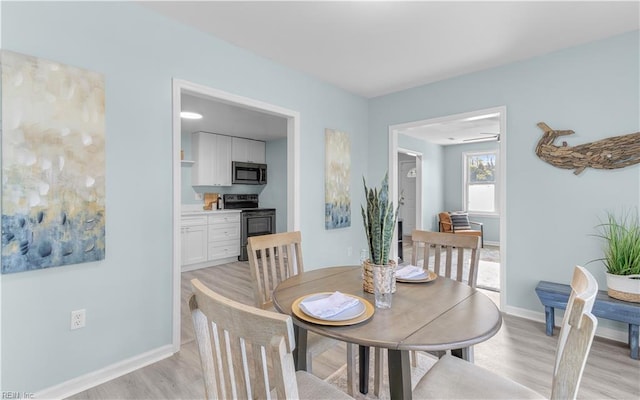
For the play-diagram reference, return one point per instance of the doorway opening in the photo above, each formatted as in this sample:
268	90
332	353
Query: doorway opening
442	142
182	87
409	200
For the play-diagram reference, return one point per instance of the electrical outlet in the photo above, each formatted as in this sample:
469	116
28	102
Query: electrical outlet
349	251
198	196
78	319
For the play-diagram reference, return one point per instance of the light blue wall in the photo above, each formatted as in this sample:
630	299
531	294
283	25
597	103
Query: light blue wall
453	184
128	295
592	89
432	178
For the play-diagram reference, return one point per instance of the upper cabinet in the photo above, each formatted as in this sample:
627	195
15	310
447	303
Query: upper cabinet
248	150
212	156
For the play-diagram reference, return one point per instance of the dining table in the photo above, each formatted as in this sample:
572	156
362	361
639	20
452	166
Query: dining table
441	314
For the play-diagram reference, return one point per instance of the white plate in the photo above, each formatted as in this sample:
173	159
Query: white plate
423	277
349	313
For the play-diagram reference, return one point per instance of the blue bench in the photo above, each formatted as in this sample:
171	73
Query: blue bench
555	295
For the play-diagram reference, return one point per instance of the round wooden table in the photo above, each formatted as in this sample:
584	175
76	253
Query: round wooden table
438	315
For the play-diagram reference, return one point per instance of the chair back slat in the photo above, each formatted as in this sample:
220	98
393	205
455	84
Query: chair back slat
238	359
273	258
576	335
453	254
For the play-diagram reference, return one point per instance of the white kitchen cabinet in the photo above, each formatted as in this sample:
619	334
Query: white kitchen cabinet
193	235
248	150
212	156
224	235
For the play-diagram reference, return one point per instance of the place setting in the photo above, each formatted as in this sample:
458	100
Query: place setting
332	308
413	274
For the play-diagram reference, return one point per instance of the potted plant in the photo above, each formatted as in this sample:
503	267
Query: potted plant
622	255
379	223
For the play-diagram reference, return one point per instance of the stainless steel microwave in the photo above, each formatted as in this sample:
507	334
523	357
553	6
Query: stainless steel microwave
248	173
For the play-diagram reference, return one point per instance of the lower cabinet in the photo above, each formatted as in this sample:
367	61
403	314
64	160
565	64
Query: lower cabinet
208	240
193	235
224	236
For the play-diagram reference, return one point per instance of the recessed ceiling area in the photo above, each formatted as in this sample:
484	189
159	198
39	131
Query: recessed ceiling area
230	119
468	130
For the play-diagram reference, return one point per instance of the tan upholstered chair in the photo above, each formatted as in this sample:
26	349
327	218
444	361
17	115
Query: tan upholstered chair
458	223
241	361
454	256
274	258
453	378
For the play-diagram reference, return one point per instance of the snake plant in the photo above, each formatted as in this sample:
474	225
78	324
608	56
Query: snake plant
379	221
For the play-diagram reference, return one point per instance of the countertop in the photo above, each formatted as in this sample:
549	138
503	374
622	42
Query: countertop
196	209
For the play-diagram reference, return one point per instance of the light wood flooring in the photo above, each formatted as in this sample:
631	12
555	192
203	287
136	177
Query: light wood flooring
521	351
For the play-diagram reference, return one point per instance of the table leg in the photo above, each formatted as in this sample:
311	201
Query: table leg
300	352
399	367
549	314
465	353
364	368
633	340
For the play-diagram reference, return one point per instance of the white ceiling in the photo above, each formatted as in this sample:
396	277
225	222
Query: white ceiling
376	48
219	117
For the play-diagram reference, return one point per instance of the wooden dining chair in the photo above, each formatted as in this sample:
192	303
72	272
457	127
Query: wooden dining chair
247	352
453	378
274	258
454	256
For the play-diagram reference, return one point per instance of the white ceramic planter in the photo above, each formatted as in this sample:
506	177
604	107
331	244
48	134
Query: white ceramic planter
624	287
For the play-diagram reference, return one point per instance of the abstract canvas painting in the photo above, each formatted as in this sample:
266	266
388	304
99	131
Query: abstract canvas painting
337	203
53	164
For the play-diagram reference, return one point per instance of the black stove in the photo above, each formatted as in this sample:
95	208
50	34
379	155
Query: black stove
254	221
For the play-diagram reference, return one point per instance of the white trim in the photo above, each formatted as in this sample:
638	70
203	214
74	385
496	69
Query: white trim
601	331
113	371
393	177
293	174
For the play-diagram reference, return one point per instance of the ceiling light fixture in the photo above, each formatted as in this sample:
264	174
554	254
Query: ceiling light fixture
190	115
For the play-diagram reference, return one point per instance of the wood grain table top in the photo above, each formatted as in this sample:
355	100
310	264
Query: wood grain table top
439	315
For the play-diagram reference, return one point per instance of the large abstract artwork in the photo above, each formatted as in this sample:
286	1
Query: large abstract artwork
53	164
337	199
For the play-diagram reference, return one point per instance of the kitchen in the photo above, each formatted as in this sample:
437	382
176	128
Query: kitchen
234	174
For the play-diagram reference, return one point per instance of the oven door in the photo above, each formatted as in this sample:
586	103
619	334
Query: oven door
256	223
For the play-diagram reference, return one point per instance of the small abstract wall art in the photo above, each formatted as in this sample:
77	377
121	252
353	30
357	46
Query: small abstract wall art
337	198
53	164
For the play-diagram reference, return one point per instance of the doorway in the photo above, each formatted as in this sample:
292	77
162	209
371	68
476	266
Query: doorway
410	196
180	87
441	132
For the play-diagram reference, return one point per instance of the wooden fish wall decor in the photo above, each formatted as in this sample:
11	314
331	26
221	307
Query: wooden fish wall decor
610	153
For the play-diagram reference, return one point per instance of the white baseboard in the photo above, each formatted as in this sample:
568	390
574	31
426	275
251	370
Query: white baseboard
95	378
603	332
490	243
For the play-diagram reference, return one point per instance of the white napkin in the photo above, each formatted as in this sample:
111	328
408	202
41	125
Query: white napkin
409	271
328	306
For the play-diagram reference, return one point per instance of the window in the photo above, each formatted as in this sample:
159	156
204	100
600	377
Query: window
480	185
